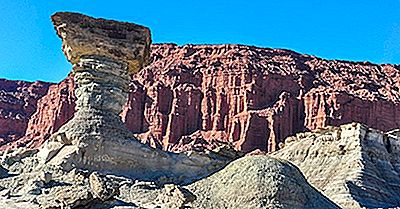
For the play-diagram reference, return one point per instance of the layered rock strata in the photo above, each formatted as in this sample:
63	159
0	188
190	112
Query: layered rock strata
353	165
256	97
200	95
53	110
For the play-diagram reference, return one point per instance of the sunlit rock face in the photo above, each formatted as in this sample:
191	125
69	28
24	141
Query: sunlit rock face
53	110
102	80
258	182
353	165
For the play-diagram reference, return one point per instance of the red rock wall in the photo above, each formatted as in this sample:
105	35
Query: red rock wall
265	129
53	110
196	96
134	108
185	116
327	107
17	103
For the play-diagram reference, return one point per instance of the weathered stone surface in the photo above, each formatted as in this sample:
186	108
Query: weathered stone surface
248	96
250	182
83	35
256	97
102	89
142	193
174	196
28	189
326	106
10	157
46	177
65	190
67	197
226	80
258	182
353	165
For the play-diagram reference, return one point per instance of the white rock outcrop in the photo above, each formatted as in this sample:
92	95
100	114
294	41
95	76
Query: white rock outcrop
355	166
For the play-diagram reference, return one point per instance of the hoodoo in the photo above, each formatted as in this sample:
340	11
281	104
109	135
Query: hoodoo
104	54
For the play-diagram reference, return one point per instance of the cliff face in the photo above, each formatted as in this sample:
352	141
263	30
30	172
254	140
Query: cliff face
200	95
357	92
17	103
227	93
256	97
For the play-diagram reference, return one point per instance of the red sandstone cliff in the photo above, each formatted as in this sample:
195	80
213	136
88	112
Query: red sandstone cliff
196	96
53	110
17	103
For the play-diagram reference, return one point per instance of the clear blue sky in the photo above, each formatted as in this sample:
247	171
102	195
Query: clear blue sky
360	30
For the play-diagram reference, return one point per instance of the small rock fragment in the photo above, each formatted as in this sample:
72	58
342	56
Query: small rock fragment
46	177
102	187
174	196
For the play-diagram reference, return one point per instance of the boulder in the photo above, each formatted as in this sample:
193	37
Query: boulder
102	187
174	196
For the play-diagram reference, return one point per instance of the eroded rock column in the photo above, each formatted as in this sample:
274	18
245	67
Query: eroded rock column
104	54
103	85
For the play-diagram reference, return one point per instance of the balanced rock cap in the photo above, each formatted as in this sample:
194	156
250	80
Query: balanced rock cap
83	35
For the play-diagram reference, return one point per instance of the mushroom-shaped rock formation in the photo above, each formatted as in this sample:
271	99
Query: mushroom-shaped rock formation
104	53
87	36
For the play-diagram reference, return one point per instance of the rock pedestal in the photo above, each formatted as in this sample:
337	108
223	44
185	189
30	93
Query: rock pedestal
104	54
102	90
